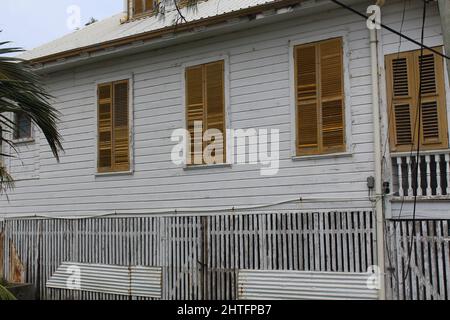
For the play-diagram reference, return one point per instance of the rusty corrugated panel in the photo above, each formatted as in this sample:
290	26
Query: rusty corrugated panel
136	281
304	285
17	273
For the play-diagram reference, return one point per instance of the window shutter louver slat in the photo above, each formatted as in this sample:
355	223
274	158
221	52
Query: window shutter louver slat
121	130
104	128
307	100
195	104
332	98
215	115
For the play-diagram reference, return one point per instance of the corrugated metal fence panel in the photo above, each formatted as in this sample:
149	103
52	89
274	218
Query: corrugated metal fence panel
199	255
300	285
120	280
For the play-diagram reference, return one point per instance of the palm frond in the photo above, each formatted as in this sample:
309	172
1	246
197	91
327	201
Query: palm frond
5	294
21	90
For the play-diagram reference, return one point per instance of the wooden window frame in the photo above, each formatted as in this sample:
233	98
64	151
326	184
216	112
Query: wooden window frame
145	11
196	63
412	99
18	139
321	152
112	81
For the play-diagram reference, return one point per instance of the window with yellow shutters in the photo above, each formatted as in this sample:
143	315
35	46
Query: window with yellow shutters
142	6
403	83
319	97
113	127
205	105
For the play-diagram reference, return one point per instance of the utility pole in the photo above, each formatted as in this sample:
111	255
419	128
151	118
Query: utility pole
444	10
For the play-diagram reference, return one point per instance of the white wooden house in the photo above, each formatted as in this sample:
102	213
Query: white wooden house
124	84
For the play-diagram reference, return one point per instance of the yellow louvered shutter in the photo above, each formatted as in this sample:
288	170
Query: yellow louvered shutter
138	6
121	130
205	105
307	100
215	105
105	127
332	96
403	73
148	5
113	127
195	108
320	98
434	119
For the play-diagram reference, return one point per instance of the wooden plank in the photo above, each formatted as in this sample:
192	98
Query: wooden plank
291	253
283	234
316	242
400	252
351	241
432	245
413	276
419	260
441	270
321	231
311	241
295	243
334	238
426	257
408	255
445	229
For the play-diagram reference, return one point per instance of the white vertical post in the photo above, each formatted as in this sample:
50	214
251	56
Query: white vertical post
410	189
399	161
429	190
447	162
437	160
419	177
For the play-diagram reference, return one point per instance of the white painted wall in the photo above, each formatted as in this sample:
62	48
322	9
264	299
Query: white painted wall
259	96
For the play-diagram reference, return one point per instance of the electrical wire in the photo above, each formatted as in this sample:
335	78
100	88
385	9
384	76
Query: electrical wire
343	5
236	209
389	124
419	111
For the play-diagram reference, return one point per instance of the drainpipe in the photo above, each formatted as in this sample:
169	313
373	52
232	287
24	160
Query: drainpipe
377	160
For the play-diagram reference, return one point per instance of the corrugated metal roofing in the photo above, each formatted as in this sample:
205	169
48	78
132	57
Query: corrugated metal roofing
111	29
121	280
304	285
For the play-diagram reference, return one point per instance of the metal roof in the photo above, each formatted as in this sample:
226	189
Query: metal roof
112	28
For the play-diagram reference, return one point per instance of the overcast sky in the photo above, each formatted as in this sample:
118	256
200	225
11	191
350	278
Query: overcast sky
30	23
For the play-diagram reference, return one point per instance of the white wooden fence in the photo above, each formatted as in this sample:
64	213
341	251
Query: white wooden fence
418	269
200	255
